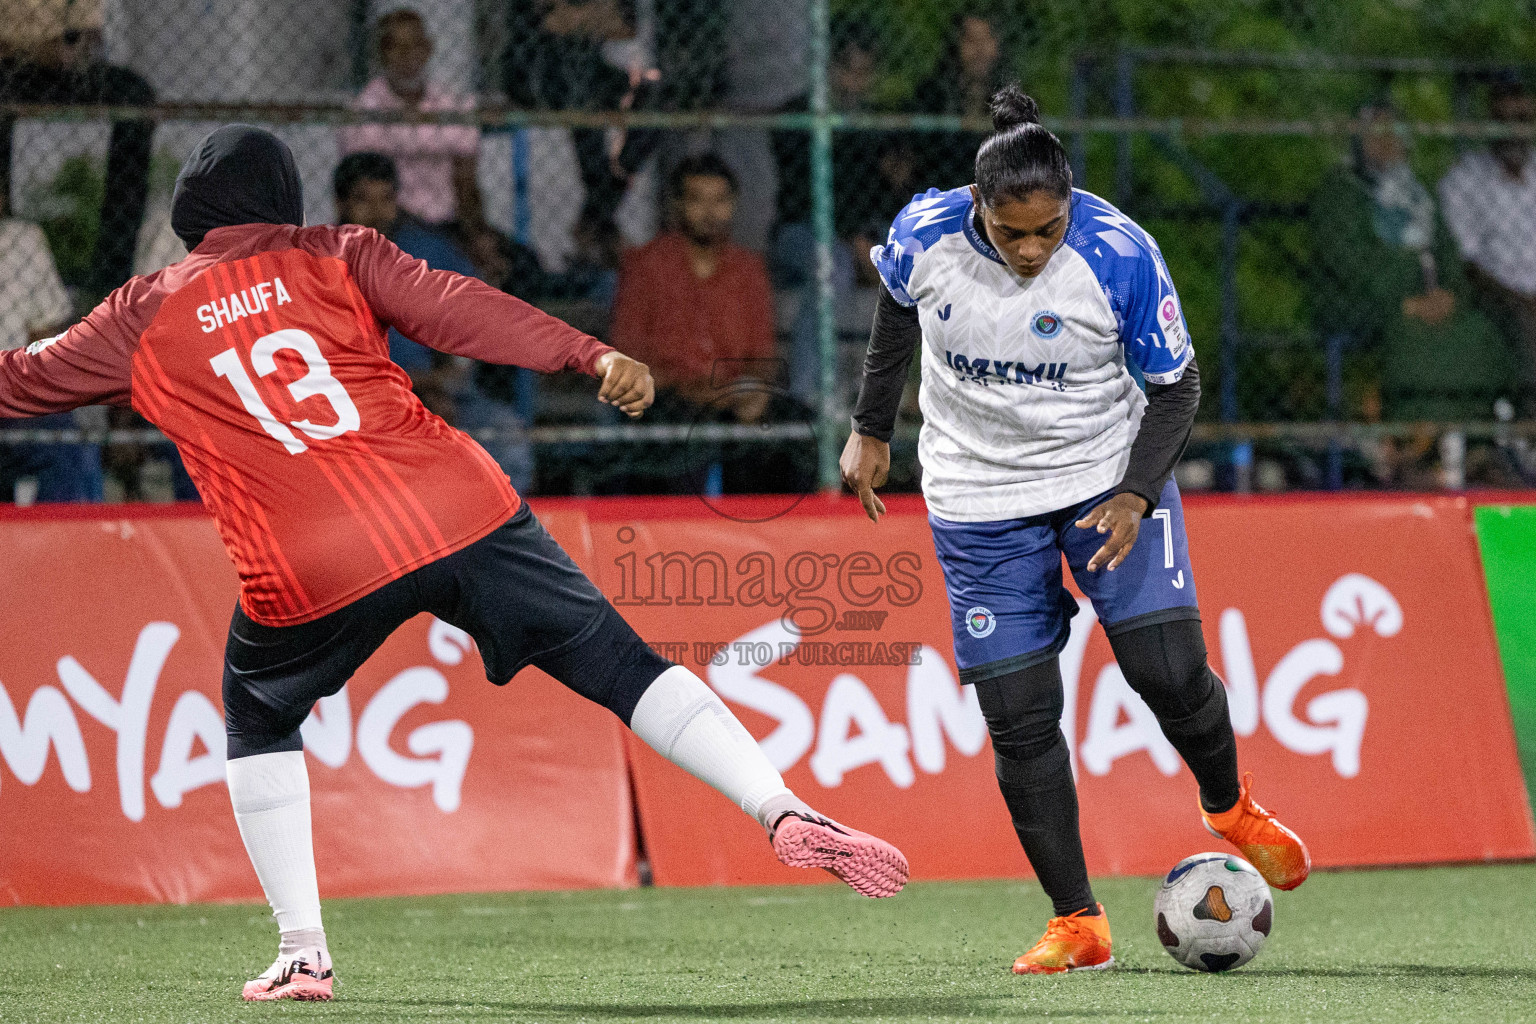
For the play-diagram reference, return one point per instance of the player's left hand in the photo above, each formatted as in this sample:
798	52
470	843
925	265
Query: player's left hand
626	383
1120	517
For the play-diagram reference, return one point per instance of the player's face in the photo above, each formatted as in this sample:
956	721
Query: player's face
707	207
1026	232
371	204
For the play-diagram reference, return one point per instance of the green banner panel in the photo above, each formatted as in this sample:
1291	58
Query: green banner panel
1507	536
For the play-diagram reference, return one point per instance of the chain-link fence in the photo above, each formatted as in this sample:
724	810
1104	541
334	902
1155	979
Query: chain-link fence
1353	237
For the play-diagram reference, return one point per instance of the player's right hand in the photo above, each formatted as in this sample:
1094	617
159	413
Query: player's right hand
865	464
626	383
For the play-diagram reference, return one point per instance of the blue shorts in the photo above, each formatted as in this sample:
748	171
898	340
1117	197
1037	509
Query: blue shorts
1008	607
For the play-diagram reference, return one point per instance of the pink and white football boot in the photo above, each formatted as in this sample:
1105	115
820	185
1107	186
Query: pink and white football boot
873	867
305	976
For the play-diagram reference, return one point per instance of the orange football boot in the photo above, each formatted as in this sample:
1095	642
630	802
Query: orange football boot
1073	943
1275	850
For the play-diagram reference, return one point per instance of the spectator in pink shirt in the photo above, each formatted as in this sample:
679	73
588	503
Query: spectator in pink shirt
436	162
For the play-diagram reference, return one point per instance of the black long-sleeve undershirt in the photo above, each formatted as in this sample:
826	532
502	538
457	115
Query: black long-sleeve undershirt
1165	426
1164	434
893	338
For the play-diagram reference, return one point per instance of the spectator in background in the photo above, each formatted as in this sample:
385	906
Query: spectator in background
435	162
764	54
1490	207
851	78
367	193
971	70
694	306
48	54
558	59
1387	278
34	306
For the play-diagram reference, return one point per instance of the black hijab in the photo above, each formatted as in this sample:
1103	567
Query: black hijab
237	175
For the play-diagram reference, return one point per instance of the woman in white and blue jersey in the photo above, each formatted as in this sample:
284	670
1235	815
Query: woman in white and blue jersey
1029	300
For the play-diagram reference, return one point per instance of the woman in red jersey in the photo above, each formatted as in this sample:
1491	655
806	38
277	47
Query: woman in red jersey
348	508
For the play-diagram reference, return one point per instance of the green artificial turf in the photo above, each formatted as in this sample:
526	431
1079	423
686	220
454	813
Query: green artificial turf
1448	944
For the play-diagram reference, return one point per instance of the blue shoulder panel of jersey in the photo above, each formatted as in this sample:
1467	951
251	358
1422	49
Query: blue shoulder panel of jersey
920	224
1130	268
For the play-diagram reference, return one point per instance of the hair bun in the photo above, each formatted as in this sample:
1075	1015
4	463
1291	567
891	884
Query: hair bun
1011	107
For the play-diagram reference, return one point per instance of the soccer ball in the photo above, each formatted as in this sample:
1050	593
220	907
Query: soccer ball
1214	912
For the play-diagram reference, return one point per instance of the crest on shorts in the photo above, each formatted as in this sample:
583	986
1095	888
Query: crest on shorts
980	622
1046	324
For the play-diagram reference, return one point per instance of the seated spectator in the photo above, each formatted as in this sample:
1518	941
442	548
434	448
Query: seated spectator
366	187
697	309
695	306
48	54
34	306
1386	277
435	162
1490	207
971	70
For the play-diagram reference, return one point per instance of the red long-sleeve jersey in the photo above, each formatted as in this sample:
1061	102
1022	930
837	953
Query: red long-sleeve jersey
263	356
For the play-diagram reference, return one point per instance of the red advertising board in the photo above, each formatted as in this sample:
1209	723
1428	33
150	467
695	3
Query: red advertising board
1353	635
425	777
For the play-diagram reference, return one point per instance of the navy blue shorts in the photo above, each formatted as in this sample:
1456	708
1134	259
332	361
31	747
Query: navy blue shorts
1008	607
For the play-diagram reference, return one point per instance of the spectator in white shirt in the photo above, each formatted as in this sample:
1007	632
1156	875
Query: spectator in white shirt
34	306
436	162
1489	204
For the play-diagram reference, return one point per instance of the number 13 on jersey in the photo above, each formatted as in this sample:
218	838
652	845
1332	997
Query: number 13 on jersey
318	381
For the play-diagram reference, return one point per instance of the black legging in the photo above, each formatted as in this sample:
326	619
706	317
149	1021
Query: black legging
1166	665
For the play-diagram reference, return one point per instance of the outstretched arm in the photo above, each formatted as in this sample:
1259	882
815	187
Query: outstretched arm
866	460
460	315
89	364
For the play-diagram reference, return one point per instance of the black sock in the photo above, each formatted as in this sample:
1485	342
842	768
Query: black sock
1206	743
1042	801
1166	664
1034	771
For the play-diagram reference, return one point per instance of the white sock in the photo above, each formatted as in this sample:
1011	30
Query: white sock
683	720
270	794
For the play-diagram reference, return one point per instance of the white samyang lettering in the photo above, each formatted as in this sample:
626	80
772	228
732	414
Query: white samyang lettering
1072	670
1109	738
128	715
937	705
49	721
327	732
451	741
1241	679
740	683
1336	719
193	719
448	643
839	750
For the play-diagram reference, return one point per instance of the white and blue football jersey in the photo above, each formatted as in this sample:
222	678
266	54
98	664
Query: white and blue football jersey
1028	403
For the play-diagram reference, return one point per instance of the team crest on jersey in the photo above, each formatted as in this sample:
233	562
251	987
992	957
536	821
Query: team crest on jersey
980	622
1046	324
